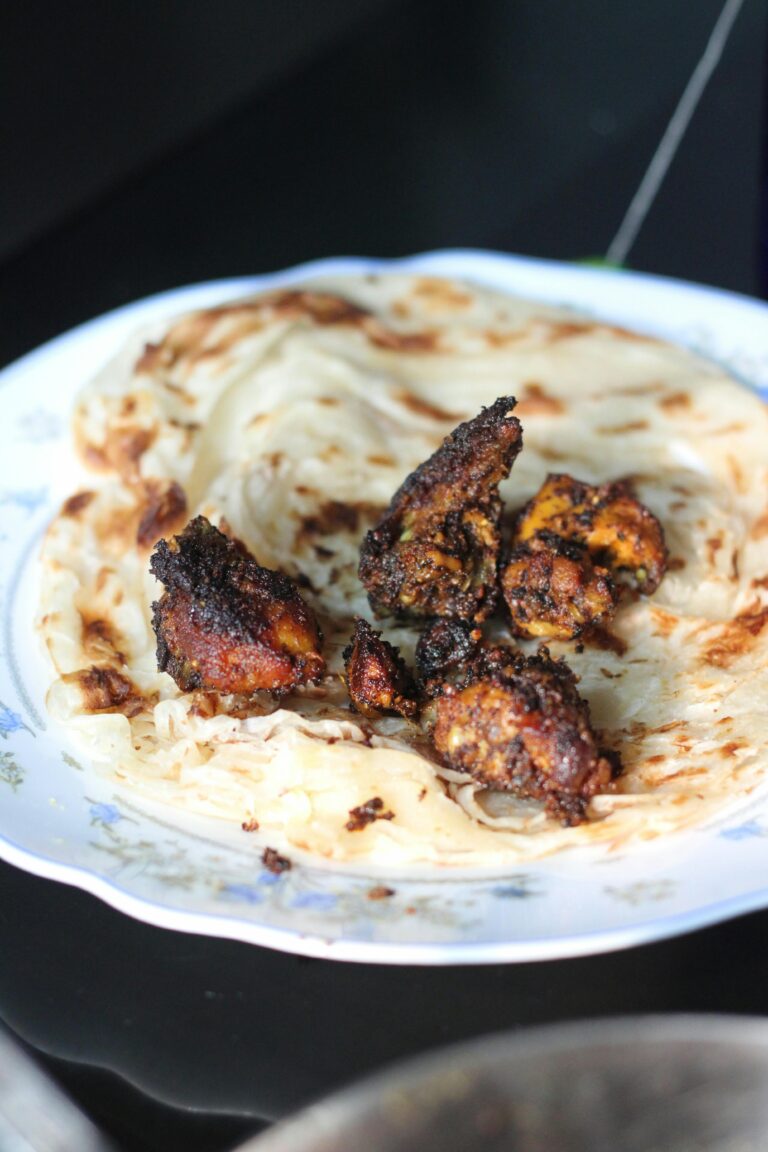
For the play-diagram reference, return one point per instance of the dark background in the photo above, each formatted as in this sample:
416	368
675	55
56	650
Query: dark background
148	145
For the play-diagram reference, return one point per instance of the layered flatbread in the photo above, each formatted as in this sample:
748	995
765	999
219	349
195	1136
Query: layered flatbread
288	420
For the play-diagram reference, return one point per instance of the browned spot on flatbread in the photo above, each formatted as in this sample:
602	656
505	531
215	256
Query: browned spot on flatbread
670	726
502	339
189	339
759	529
421	407
675	402
677	505
381	459
99	639
684	774
737	474
392	341
736	638
556	330
177	391
733	746
121	450
536	401
165	508
714	544
665	622
760	582
327	309
328	401
102	576
620	429
676	563
337	516
92	455
322	307
115	526
606	640
77	503
184	425
725	720
107	690
553	455
153	357
442	293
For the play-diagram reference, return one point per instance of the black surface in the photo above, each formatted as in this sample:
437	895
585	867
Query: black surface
507	125
231	1030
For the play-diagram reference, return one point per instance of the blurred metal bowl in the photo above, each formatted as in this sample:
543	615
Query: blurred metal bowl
652	1084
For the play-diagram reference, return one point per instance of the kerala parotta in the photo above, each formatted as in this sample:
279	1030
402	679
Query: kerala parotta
289	420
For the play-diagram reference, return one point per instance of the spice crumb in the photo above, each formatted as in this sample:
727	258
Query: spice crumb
274	862
380	892
365	814
250	825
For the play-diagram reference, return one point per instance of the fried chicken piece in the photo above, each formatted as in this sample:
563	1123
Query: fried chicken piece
618	531
377	677
519	725
443	648
224	623
553	590
435	551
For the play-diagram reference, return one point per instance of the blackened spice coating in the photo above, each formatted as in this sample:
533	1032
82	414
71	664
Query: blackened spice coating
226	624
518	724
553	591
444	646
617	530
435	551
378	680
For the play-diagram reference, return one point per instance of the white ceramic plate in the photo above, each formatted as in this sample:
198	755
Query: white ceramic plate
61	820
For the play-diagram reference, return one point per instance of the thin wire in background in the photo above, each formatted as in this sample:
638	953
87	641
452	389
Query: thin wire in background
641	202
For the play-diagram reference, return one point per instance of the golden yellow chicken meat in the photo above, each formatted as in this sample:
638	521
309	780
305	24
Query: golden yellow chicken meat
224	623
553	591
619	532
574	545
